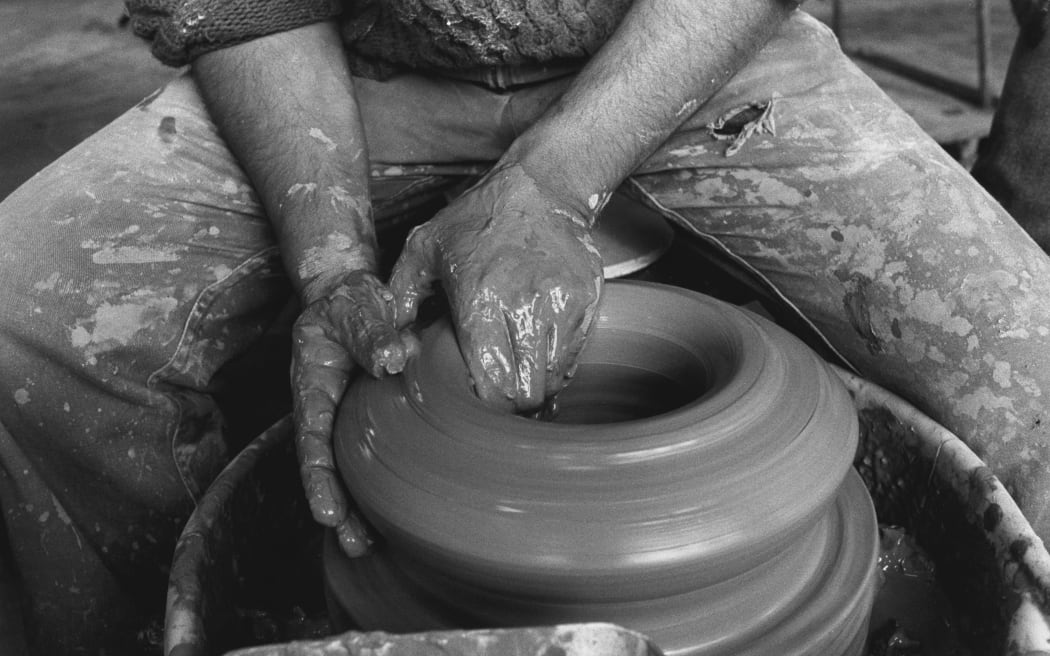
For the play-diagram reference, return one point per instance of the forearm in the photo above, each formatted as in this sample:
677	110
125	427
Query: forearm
286	108
665	60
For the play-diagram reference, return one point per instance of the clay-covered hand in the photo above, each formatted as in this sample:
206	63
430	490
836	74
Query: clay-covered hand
522	279
350	325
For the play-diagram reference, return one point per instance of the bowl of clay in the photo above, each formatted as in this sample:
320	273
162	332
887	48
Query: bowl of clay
693	482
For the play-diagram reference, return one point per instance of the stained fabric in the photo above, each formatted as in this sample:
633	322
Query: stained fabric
138	269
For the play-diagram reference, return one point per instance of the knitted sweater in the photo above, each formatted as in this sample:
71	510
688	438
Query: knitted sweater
383	36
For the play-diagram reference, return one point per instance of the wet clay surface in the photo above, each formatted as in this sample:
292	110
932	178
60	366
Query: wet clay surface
654	505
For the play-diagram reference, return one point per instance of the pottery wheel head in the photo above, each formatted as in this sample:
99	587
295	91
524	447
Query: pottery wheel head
630	237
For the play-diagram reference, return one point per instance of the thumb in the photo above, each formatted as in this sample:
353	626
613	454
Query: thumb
416	271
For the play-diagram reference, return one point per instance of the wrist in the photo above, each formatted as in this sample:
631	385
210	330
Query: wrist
512	178
578	181
325	232
327	284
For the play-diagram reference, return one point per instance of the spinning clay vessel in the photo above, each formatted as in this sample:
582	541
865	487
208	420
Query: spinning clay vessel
693	483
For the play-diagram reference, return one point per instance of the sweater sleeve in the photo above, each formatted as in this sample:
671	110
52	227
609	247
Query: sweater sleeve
181	30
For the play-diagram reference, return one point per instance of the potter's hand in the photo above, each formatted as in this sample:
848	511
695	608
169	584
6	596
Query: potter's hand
351	324
522	279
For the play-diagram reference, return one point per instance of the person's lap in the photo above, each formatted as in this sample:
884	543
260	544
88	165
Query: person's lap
139	265
137	270
114	258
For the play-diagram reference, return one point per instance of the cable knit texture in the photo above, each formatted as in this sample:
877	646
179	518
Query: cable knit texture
383	36
461	34
181	30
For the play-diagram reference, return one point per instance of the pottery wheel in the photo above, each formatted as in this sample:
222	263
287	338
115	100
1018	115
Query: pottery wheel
695	486
630	237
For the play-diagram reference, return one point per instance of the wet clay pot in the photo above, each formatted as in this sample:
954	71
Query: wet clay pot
694	484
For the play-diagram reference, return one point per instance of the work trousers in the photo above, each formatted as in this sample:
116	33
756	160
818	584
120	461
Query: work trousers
138	272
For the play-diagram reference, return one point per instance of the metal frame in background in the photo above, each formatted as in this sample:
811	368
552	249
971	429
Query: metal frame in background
979	96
